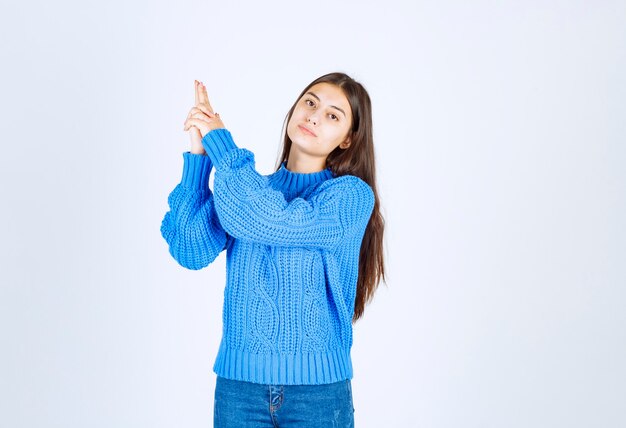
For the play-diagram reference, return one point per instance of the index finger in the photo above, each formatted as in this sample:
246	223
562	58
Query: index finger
195	82
204	97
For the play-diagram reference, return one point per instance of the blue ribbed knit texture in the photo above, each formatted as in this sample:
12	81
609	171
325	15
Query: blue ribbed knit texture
292	241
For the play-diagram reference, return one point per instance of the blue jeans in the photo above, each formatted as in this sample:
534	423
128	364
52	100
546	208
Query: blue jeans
245	404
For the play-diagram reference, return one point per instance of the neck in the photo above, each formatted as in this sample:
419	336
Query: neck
305	165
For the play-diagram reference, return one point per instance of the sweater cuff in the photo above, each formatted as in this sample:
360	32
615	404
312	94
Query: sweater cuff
217	143
196	171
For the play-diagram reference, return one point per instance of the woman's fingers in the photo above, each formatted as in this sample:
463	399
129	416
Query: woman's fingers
204	109
201	109
201	116
197	117
204	97
194	121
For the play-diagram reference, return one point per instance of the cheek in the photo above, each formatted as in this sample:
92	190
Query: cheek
290	130
292	127
292	121
345	131
295	118
297	115
339	132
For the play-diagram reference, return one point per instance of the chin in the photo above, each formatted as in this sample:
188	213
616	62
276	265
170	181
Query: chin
300	143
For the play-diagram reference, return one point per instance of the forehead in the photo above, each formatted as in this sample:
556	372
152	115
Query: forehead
330	94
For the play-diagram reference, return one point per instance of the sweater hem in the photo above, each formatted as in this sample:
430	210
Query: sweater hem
305	368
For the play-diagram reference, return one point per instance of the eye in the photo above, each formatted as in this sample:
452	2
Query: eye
333	117
309	101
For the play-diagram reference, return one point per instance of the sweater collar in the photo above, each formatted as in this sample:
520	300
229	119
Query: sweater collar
298	181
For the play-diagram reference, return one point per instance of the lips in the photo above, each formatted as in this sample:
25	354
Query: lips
307	130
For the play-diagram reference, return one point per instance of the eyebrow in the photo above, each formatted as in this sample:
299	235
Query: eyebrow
335	107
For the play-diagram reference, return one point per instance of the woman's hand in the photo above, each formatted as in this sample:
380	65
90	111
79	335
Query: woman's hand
194	133
201	119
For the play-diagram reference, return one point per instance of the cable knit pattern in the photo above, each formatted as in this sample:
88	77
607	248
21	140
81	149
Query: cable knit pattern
293	243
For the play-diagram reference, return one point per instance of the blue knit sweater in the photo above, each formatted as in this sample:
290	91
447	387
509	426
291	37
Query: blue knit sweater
292	245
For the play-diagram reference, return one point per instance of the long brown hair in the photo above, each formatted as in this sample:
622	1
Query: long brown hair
357	159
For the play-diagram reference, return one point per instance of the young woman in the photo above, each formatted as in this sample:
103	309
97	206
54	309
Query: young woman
304	254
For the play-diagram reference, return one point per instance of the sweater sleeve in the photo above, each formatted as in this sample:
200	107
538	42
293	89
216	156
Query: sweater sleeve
191	227
250	209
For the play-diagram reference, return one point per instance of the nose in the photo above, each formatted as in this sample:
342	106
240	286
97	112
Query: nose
313	120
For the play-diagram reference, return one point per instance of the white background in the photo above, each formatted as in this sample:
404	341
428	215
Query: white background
500	132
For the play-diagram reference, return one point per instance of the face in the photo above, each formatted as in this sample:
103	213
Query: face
321	120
